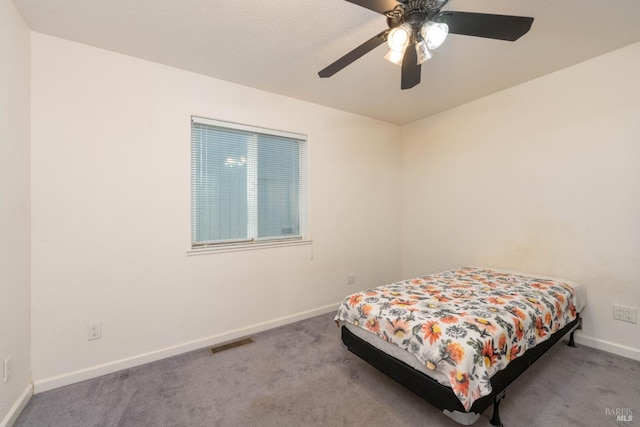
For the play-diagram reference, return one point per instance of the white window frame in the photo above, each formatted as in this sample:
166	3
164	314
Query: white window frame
253	242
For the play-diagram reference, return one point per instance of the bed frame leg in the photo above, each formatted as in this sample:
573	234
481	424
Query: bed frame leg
495	418
572	343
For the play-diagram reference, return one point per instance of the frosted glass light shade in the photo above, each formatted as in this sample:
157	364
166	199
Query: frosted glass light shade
399	37
434	33
423	52
395	56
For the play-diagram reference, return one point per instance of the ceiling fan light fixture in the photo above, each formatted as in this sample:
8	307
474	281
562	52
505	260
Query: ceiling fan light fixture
423	25
399	37
395	56
434	33
423	52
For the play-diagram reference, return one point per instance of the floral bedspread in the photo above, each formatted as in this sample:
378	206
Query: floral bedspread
466	323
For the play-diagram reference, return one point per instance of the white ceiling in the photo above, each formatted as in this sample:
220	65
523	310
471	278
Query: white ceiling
279	46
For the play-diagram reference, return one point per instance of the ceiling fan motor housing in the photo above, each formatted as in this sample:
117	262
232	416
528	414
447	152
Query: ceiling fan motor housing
414	12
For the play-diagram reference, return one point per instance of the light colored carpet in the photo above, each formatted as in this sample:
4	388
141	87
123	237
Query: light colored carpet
301	375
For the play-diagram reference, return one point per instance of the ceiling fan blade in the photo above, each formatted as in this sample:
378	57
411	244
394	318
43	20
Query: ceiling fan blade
501	27
411	70
380	6
356	53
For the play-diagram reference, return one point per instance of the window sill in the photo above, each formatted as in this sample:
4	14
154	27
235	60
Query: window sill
240	247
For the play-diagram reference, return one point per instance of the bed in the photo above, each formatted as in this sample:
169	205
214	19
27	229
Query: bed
458	338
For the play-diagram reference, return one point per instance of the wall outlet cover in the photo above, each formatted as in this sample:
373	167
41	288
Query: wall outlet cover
94	331
6	369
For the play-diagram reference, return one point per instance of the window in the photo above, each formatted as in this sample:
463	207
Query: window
248	184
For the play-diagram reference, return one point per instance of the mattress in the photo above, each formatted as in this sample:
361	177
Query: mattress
395	351
462	326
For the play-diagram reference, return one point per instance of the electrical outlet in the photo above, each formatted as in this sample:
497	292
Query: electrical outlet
351	279
624	313
630	314
94	331
7	369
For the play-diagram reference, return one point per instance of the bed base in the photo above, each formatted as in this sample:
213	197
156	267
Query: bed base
442	396
571	342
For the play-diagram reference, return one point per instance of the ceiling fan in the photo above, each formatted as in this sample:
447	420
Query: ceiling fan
418	27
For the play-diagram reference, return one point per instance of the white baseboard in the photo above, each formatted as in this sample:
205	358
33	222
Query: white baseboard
50	383
610	347
17	407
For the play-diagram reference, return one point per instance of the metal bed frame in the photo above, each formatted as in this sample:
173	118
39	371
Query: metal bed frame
442	396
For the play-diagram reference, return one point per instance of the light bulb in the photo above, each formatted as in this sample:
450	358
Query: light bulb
395	56
434	33
399	37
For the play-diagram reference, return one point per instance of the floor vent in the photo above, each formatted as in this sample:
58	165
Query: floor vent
230	345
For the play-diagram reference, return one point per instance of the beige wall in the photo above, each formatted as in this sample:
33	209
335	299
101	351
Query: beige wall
542	177
111	213
14	209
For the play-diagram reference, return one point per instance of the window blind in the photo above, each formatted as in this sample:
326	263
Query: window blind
248	184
